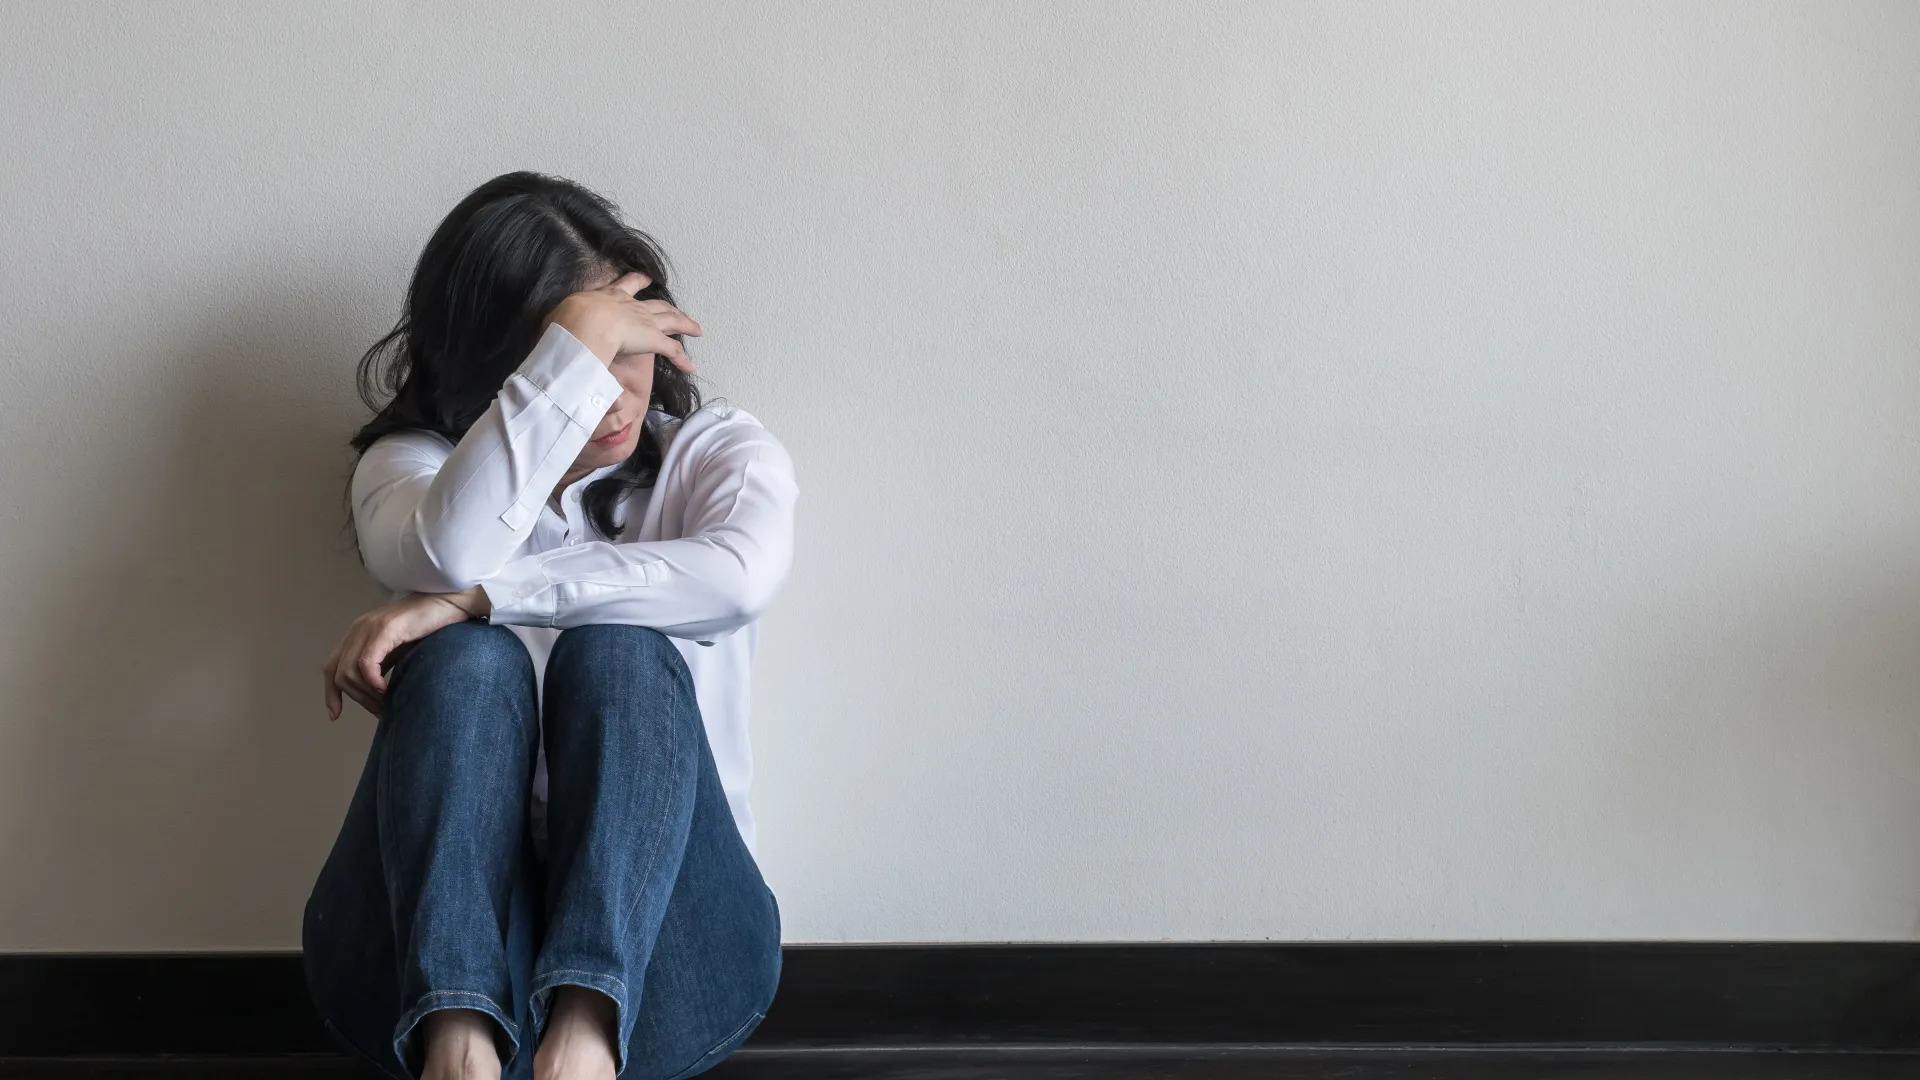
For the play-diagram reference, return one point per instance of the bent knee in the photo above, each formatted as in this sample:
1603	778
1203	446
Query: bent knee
602	645
635	665
466	656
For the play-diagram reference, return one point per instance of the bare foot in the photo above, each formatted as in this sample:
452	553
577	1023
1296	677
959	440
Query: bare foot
578	1041
459	1046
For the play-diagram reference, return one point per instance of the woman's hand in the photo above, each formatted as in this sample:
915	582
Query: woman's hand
357	666
612	323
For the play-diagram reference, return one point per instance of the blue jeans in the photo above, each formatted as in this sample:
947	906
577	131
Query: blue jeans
434	898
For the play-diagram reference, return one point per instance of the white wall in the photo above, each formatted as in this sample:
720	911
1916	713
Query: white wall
1268	470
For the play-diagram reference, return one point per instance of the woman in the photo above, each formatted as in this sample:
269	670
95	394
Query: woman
547	864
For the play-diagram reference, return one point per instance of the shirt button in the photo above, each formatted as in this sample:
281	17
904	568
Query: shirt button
596	401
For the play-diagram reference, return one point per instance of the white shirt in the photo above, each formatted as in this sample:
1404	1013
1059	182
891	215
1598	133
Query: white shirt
701	555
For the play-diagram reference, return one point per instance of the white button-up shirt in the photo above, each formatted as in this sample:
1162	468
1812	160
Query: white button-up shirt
701	555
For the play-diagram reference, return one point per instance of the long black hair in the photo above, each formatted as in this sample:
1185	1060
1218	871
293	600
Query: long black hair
506	256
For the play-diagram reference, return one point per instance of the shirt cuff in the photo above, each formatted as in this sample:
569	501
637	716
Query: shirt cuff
568	373
521	595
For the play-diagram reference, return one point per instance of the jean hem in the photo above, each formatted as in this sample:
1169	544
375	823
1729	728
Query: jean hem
541	994
437	1000
721	1049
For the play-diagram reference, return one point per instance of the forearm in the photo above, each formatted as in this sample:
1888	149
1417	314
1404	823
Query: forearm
719	576
444	525
698	587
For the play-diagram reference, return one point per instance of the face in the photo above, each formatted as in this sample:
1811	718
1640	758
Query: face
619	431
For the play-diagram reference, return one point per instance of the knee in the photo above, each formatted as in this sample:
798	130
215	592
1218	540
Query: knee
605	648
465	660
469	649
597	673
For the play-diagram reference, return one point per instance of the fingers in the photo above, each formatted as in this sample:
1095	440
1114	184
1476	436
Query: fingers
330	671
677	323
670	319
646	341
333	691
370	702
347	672
673	322
675	353
654	332
368	669
631	283
350	681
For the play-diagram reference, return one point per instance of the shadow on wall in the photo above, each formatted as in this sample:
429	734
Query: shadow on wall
188	783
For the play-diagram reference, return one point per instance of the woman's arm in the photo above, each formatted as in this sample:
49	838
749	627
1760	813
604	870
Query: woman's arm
435	522
430	521
357	668
719	577
740	515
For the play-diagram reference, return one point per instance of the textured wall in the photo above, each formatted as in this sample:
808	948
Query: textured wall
1268	470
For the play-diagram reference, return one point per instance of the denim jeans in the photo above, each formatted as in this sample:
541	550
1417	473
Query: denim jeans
434	897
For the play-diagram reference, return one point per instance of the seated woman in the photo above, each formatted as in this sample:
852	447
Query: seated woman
548	861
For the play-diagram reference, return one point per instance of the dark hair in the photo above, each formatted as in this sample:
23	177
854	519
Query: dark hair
512	250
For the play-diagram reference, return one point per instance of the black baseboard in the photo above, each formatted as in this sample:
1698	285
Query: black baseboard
1811	996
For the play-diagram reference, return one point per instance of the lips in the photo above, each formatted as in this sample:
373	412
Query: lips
614	438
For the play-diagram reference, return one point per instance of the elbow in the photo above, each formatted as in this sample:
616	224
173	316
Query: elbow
753	577
451	569
459	577
448	564
750	595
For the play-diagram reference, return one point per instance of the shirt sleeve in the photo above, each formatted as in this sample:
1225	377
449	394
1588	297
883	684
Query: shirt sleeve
433	521
719	577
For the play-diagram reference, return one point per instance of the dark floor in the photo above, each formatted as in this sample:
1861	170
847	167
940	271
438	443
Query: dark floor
1134	1063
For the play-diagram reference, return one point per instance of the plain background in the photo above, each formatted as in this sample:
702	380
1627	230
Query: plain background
1268	470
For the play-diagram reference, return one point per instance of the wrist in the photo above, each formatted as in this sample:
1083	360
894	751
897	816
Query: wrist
474	602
